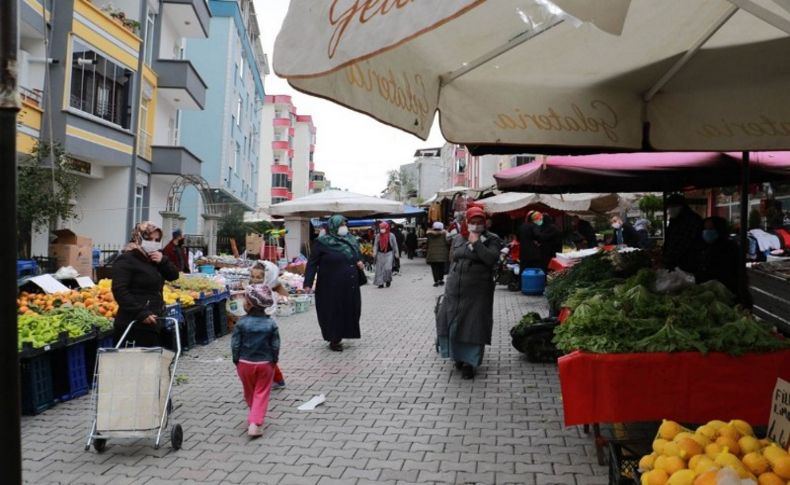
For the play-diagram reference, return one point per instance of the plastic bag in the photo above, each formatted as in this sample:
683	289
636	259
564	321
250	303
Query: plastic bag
66	273
673	281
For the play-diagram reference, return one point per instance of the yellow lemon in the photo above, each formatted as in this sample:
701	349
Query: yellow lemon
756	463
658	445
669	429
706	431
657	477
748	444
674	464
730	444
781	467
672	449
713	450
681	435
728	431
647	461
704	464
701	439
707	478
742	426
770	479
682	477
773	453
716	424
689	447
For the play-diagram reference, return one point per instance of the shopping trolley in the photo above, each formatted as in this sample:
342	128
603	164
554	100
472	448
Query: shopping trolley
131	392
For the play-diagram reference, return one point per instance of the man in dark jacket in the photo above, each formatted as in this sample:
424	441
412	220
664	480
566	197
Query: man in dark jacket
683	241
529	250
585	232
624	233
549	237
177	253
719	259
411	243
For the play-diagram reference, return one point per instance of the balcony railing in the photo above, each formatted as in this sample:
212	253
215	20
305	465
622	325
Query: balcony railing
144	140
31	95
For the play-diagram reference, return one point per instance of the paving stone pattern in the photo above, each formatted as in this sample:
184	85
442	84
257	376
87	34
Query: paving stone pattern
395	412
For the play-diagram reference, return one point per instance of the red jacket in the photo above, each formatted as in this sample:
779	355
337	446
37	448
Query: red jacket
181	261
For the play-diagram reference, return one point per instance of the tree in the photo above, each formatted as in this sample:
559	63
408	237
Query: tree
407	185
649	205
393	183
47	190
234	227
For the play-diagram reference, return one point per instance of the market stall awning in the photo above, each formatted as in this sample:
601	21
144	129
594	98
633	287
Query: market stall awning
642	172
565	75
512	201
331	202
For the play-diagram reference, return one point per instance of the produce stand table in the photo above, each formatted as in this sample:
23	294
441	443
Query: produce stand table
769	284
557	265
684	386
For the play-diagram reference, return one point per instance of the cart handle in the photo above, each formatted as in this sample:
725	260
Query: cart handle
175	327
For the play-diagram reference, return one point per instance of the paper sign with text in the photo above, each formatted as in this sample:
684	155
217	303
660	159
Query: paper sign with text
779	425
85	282
49	284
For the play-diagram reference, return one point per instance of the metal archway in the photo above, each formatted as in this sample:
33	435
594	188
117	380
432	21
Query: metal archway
210	205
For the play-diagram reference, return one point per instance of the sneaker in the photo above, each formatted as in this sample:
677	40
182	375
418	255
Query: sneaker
388	284
435	284
254	431
441	283
381	286
459	365
468	372
279	385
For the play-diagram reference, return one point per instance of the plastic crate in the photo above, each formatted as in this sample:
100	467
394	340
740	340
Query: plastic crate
26	267
47	265
191	317
36	383
174	311
220	319
204	330
70	368
624	462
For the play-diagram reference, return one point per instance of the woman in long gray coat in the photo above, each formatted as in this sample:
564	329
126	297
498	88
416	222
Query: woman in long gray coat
438	252
465	320
385	250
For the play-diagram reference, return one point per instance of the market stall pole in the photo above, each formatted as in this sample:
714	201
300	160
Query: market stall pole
11	461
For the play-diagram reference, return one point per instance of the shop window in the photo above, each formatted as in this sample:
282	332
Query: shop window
99	86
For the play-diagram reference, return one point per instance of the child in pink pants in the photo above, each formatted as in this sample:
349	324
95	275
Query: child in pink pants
255	346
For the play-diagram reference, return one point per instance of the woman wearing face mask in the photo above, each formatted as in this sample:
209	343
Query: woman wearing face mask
138	276
385	252
465	320
336	260
719	256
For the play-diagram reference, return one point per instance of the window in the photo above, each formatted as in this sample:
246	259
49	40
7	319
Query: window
241	67
150	23
99	86
139	193
144	137
236	155
238	111
279	180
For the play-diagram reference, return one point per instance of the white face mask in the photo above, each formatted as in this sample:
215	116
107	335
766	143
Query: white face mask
151	246
322	232
477	228
342	231
616	225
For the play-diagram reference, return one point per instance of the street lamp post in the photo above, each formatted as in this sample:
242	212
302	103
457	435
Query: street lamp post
11	458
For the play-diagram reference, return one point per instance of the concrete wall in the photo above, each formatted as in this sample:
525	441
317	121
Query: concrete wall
101	207
301	160
265	157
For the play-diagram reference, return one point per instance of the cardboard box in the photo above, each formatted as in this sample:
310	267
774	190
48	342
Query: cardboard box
69	249
253	243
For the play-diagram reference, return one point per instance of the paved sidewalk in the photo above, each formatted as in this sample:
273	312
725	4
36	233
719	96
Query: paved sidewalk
395	412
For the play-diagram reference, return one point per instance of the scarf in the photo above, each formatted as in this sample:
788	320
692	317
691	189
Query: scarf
384	237
144	230
347	244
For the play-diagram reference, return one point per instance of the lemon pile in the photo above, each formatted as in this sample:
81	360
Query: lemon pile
685	457
172	296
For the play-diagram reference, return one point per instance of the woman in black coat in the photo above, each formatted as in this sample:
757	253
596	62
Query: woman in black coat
550	238
335	258
720	256
138	277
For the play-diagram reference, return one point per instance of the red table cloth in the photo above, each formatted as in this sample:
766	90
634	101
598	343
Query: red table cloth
684	386
556	265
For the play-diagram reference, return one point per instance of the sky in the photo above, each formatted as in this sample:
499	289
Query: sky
354	150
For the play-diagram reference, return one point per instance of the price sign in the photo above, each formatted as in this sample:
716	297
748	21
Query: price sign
779	425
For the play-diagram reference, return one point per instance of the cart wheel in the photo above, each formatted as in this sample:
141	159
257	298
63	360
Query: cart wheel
99	444
176	436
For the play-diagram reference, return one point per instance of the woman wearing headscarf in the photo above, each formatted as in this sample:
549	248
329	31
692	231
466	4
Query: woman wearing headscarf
465	320
385	251
438	251
138	276
336	260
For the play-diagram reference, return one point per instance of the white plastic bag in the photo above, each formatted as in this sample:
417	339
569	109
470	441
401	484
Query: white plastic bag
66	273
673	281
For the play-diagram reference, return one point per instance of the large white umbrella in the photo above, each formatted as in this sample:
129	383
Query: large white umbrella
579	74
510	201
336	202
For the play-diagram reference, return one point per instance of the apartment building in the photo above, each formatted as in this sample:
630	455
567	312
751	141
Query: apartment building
226	135
471	171
111	78
287	148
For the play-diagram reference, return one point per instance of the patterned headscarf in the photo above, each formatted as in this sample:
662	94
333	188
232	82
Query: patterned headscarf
347	244
143	231
384	237
260	298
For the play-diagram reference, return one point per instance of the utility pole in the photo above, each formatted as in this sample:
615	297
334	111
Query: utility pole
11	458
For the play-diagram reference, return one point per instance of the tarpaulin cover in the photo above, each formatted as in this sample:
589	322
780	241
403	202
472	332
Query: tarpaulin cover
684	386
642	172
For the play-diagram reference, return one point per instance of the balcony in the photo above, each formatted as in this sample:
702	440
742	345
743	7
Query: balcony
283	146
278	99
191	18
180	83
312	166
284	169
284	122
281	192
28	122
174	160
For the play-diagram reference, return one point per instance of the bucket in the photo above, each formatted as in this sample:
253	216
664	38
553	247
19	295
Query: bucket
533	281
207	269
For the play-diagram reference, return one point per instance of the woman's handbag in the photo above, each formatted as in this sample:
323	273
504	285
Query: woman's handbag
363	278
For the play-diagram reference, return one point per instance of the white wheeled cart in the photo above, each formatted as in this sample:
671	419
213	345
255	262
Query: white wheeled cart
131	392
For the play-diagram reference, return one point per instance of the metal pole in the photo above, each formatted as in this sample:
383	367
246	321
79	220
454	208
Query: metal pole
743	285
11	458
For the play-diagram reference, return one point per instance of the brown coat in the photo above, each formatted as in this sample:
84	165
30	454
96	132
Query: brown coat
438	247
